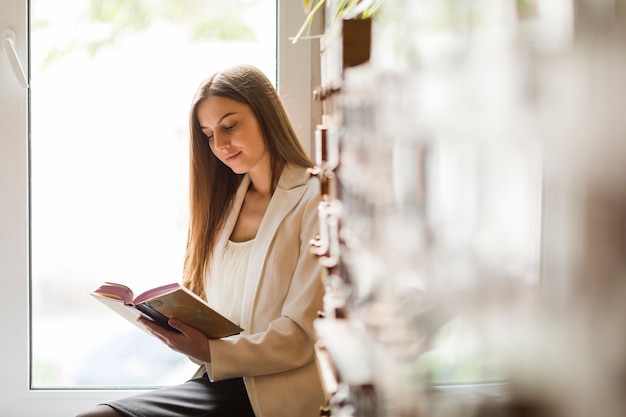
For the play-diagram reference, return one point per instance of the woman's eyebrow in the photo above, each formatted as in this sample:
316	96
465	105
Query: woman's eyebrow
224	116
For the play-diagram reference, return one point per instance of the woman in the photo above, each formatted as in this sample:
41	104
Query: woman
253	211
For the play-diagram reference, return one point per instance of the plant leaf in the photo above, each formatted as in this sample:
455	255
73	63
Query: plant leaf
308	21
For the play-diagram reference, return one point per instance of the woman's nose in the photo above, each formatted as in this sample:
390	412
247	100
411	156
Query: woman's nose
221	142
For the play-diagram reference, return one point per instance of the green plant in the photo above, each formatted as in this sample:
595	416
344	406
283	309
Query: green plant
346	9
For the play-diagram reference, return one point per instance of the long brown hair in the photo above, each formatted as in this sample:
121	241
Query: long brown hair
212	185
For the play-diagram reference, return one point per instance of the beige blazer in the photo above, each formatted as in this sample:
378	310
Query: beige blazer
282	297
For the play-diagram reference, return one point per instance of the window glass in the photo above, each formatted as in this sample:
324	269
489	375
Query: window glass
111	84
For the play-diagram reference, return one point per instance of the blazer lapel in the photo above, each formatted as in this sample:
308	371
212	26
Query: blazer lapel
289	191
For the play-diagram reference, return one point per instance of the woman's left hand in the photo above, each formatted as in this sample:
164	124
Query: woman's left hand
190	341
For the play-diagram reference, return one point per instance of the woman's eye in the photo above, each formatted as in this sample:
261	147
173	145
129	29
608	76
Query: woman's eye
229	127
209	137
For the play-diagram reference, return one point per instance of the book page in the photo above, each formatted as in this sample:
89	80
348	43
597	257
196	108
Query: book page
129	312
113	290
156	292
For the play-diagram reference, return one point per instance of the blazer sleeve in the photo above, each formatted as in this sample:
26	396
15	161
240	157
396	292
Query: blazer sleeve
282	335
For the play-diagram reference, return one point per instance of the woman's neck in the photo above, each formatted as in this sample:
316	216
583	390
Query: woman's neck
261	178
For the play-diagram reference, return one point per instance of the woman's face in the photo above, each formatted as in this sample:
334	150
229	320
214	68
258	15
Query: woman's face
233	133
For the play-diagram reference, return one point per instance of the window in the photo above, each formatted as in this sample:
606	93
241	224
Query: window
111	84
87	200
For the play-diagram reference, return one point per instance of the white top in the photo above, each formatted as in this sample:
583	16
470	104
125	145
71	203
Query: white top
225	290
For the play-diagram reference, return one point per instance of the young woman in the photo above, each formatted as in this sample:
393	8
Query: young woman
253	212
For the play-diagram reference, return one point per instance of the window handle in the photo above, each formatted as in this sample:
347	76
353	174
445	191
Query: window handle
8	43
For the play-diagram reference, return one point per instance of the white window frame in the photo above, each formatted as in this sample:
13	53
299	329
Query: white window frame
298	73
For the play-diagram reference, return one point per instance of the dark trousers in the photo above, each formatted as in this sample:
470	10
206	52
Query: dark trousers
197	397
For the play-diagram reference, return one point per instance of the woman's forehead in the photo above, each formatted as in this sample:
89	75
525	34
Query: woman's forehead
213	110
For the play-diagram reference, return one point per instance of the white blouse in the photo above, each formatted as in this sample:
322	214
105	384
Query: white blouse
225	290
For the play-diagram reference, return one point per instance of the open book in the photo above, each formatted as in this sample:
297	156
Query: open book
162	303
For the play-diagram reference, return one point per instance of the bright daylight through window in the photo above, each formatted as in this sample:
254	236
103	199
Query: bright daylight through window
111	83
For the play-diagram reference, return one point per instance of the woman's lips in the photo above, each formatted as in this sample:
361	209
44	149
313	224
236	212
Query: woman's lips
232	157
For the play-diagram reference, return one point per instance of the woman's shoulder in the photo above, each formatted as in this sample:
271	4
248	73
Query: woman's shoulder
296	176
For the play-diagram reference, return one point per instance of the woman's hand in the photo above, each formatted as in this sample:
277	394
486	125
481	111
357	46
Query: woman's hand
190	341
